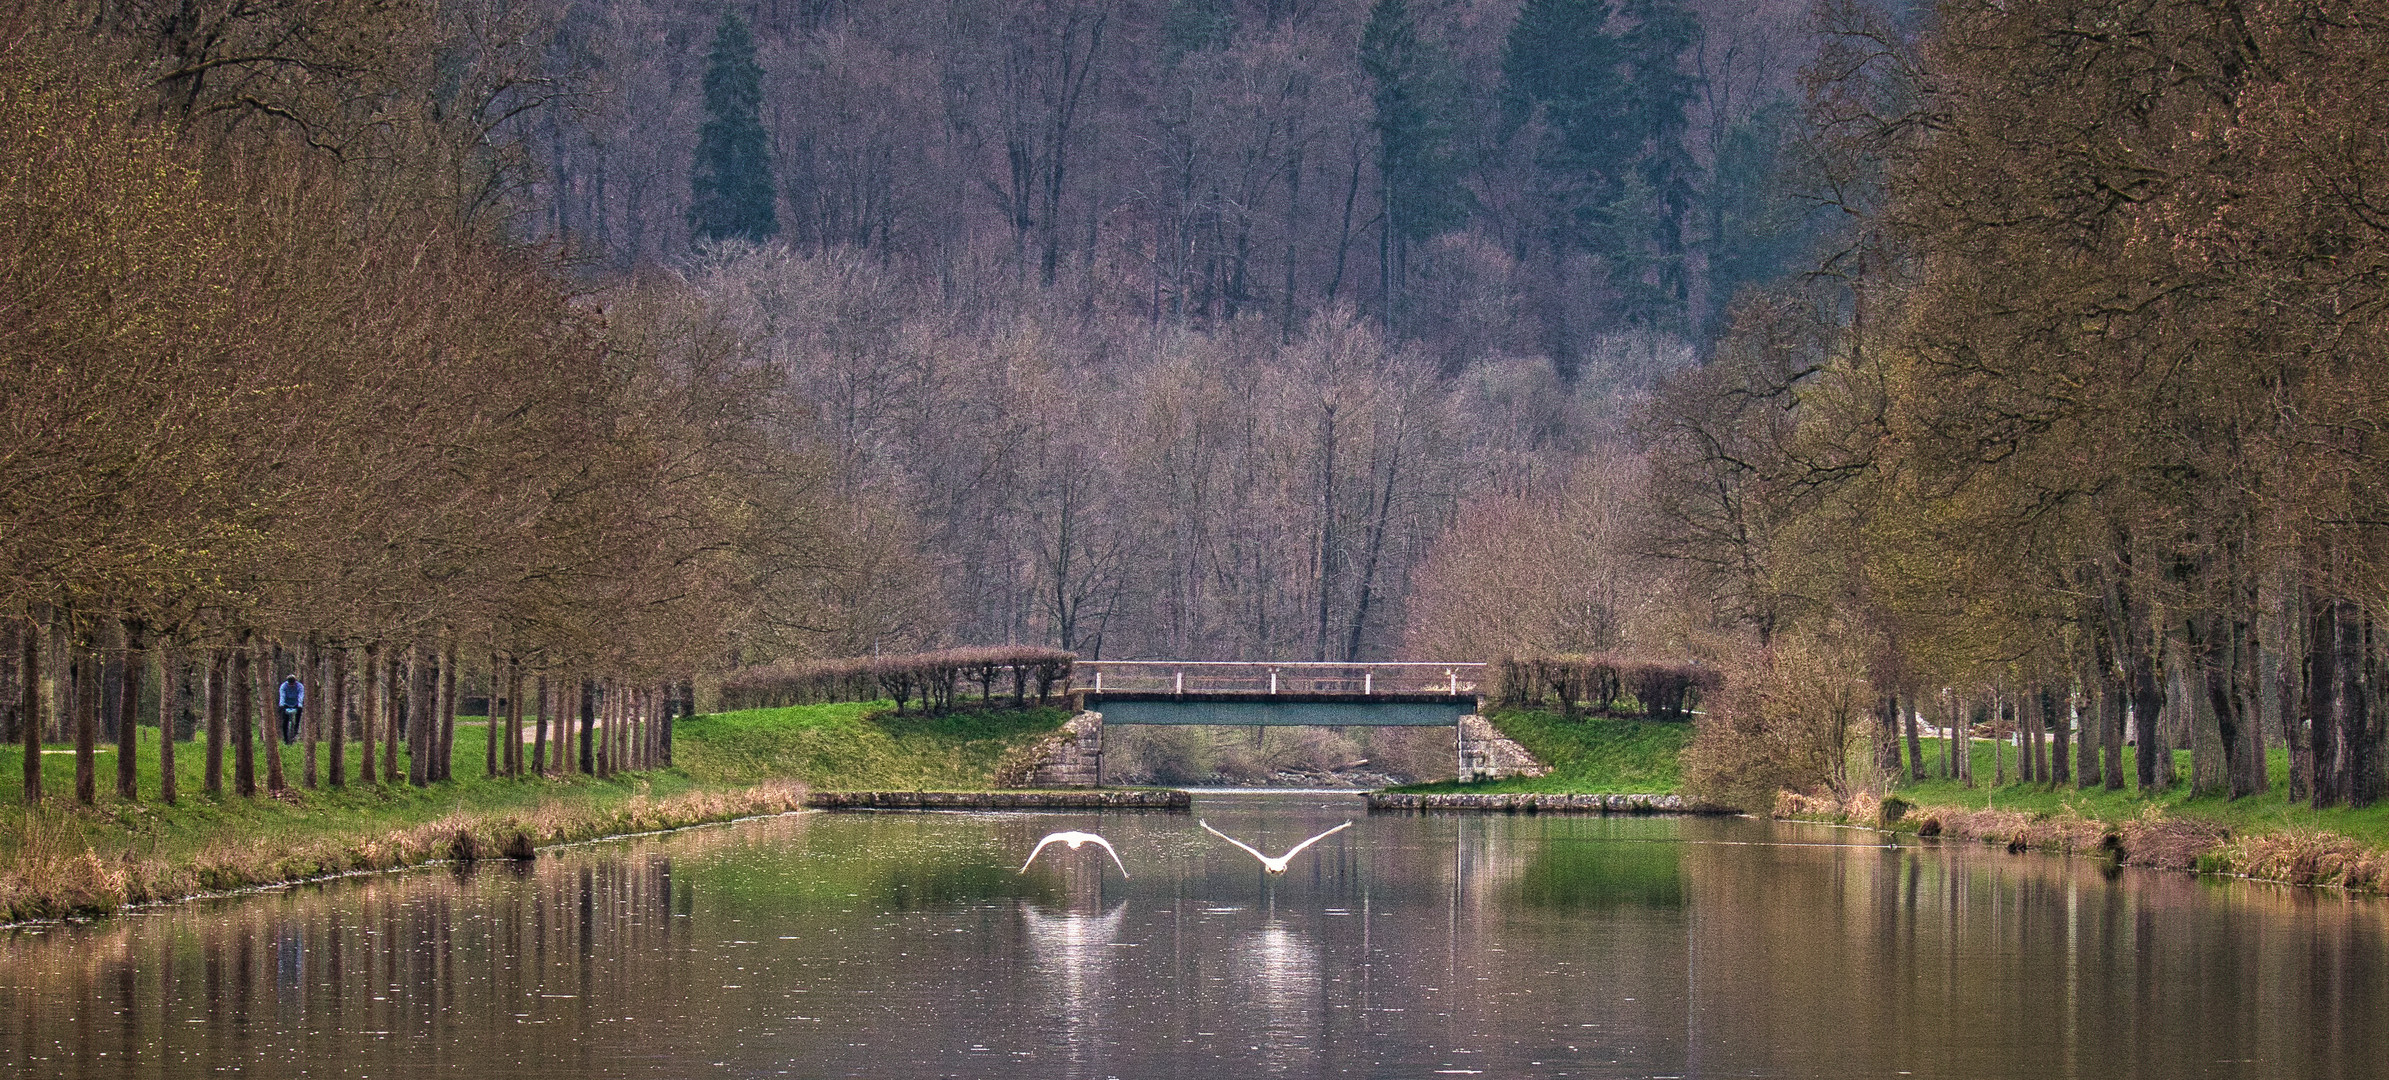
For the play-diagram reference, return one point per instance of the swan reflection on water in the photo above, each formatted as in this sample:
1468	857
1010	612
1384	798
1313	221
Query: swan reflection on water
1280	976
1071	953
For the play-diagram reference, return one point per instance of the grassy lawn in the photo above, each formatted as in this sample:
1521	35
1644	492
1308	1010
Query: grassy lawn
62	857
2260	813
858	747
113	827
1592	755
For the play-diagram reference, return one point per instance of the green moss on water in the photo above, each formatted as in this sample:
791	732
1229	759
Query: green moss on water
1588	756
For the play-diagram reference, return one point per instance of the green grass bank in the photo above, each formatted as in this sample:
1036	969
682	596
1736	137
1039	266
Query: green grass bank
2262	836
63	859
1597	755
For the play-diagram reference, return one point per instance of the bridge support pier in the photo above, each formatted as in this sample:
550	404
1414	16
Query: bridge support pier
1069	758
1486	754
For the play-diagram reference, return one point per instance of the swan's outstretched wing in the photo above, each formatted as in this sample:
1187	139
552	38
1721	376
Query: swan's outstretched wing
1297	849
1108	850
1248	848
1074	839
1050	838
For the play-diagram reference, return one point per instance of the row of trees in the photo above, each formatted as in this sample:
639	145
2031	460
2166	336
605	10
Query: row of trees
270	372
2085	423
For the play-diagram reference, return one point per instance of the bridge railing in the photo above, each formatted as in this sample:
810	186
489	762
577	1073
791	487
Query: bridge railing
1263	677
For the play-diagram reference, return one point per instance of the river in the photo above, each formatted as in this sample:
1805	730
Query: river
907	945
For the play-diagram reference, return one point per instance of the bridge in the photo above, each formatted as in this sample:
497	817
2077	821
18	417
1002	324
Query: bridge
1263	694
1266	694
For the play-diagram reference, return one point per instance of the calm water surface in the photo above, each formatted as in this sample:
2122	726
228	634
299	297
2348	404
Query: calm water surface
905	945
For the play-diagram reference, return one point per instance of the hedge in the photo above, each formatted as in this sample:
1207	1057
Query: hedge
934	679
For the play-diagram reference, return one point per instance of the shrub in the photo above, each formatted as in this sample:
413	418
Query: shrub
932	678
1599	682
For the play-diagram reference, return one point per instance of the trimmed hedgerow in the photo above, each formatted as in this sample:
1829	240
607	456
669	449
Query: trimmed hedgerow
933	680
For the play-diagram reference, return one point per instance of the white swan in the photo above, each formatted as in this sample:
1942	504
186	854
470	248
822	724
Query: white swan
1276	865
1077	840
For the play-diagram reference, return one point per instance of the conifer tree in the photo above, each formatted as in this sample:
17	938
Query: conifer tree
1613	105
732	178
1418	165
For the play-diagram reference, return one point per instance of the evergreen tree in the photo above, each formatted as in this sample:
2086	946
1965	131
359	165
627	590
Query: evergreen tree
1419	168
1758	228
732	178
1658	91
1193	26
1613	106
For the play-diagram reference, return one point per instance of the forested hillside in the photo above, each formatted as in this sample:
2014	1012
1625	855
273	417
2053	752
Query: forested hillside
1993	364
1186	328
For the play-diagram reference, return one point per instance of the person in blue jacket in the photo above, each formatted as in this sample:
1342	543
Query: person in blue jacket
294	699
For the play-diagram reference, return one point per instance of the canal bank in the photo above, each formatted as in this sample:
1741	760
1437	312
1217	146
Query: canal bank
62	860
2262	837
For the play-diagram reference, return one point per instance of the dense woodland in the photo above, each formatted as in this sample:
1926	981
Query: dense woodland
1993	364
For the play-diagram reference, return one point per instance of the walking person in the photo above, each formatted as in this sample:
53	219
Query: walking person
293	700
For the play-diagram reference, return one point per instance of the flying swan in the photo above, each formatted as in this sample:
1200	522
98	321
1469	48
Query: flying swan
1077	840
1276	865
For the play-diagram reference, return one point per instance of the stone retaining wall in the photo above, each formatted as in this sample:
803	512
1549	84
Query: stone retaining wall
999	800
1521	803
1487	754
1071	757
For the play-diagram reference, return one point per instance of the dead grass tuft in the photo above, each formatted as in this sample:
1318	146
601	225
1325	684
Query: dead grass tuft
2171	843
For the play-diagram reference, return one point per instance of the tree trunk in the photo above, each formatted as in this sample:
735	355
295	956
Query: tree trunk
2153	764
589	728
1916	766
243	722
1887	738
338	709
2085	707
2292	719
219	677
29	706
609	743
514	717
539	731
418	716
1999	716
2363	722
2024	721
688	707
391	719
84	679
489	747
444	758
369	712
310	716
273	723
128	708
169	703
2058	759
2341	748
